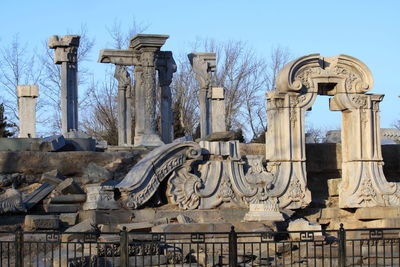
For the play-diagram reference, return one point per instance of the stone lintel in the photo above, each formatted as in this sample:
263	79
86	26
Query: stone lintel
27	90
148	41
119	57
68	40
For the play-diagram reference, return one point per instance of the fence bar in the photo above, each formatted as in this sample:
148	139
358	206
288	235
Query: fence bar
19	246
342	246
124	257
232	248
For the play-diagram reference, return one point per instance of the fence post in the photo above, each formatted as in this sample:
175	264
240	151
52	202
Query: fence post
19	246
342	246
232	247
123	248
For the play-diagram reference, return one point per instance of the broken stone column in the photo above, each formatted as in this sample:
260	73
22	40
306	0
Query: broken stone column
66	49
166	67
218	109
124	106
145	88
27	98
141	54
204	64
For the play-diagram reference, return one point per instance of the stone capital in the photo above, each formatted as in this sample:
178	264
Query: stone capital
65	48
203	65
27	91
166	66
122	76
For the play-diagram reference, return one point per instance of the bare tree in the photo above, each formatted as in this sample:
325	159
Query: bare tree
101	119
18	66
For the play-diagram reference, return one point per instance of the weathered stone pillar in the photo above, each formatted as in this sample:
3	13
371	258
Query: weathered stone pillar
204	64
66	54
141	54
27	95
145	89
218	109
124	106
166	67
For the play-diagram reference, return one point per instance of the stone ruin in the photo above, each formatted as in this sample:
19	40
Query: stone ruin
157	183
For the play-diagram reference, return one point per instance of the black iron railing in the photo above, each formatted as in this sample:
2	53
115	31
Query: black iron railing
351	247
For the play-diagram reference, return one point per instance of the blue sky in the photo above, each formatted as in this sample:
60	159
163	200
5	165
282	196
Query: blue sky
368	30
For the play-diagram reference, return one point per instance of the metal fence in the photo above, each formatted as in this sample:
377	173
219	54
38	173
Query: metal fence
360	247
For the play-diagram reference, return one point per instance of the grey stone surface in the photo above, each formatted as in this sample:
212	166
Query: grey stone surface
70	198
222	136
52	143
303	225
136	227
40	193
84	226
204	64
95	174
27	98
66	50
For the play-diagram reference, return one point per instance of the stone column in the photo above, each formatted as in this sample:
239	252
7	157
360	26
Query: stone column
166	66
27	95
218	109
204	64
124	106
66	54
147	45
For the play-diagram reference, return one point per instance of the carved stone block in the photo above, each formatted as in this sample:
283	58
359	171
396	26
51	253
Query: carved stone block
45	222
100	197
262	212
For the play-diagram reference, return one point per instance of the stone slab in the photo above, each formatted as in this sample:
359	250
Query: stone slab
69	219
52	143
61	208
377	213
136	227
32	199
192	227
303	225
84	226
53	177
70	198
107	217
45	222
68	186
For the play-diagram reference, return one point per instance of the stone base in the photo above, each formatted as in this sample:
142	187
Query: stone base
260	212
148	140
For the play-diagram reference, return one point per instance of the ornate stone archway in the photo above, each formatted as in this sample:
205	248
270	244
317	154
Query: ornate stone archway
347	79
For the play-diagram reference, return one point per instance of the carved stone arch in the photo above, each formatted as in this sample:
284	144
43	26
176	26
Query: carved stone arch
297	86
143	180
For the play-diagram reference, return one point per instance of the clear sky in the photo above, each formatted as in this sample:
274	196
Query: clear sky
368	30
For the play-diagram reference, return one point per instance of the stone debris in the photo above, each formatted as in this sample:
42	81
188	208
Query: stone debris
11	201
62	208
68	186
95	174
136	227
82	227
39	194
41	222
53	177
52	143
100	197
69	218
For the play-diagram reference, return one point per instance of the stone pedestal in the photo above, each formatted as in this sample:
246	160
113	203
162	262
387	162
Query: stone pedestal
204	64
100	198
218	109
263	212
27	95
66	49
